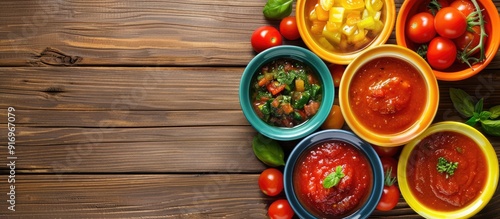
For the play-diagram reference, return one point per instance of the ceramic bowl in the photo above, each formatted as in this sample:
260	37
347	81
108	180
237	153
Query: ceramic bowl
307	58
379	133
291	182
334	54
458	71
490	169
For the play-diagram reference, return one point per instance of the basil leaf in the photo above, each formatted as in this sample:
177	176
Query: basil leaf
333	178
462	102
473	120
479	106
495	112
491	127
268	151
278	9
484	115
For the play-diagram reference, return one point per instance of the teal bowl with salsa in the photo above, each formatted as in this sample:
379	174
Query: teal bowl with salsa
286	92
313	165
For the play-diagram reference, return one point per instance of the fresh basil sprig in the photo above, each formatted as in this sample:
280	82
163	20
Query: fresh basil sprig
465	105
333	179
268	151
278	9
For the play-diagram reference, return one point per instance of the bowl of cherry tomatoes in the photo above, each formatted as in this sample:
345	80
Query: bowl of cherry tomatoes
338	31
456	37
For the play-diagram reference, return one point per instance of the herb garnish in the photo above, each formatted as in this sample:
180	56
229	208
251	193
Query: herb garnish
333	178
465	105
447	167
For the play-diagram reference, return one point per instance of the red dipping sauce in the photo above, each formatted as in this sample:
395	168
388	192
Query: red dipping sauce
344	198
387	95
437	191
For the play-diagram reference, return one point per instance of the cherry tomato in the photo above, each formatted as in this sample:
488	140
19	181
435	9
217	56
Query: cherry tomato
389	199
280	209
441	53
386	151
390	163
271	181
335	120
469	40
450	22
464	6
265	37
420	27
336	71
289	29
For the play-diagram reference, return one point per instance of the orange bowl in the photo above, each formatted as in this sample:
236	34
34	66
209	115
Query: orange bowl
302	13
456	71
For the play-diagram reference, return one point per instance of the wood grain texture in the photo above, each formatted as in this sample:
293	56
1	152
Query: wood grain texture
132	33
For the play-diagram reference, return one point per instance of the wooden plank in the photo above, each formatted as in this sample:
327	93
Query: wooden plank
120	88
132	33
156	196
144	150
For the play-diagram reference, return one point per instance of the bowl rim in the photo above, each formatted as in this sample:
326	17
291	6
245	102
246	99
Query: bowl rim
299	54
490	51
428	113
340	135
489	187
344	58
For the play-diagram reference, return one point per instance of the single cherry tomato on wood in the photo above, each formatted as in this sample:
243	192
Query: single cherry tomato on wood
420	27
389	199
450	22
464	6
386	151
289	29
335	119
336	71
441	53
265	37
271	181
280	209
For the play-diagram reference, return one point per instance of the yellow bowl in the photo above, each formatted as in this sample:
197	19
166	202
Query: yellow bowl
491	178
417	126
302	11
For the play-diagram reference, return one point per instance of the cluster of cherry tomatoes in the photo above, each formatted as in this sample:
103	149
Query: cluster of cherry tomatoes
271	184
446	28
268	36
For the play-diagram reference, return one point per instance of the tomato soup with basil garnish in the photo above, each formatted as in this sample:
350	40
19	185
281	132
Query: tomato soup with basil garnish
286	93
333	179
387	95
446	171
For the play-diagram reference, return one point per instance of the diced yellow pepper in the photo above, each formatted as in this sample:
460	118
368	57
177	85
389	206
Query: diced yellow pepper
353	17
326	4
373	6
337	14
333	26
353	4
322	14
358	36
317	27
378	27
377	15
325	44
299	85
333	37
367	23
348	30
313	16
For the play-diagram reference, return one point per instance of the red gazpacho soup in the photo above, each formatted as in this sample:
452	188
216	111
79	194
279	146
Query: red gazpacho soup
446	171
320	166
387	95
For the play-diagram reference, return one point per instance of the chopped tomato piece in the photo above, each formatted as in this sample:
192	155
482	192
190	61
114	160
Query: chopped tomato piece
287	108
275	88
311	108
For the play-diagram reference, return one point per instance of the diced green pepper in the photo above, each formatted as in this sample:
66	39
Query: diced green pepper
265	108
300	99
315	91
297	116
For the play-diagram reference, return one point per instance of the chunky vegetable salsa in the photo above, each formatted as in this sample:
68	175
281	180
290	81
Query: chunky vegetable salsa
286	93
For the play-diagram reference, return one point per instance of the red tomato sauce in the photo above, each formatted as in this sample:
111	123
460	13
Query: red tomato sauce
387	95
342	199
434	189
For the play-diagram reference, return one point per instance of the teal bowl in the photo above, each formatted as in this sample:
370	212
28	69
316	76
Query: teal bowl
299	54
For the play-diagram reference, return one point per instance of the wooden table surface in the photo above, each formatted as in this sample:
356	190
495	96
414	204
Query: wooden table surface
129	109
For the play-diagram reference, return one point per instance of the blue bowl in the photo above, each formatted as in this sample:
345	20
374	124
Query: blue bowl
338	135
308	58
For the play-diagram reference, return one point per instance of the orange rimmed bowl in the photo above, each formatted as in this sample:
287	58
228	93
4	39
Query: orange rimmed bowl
426	148
457	71
372	130
334	55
